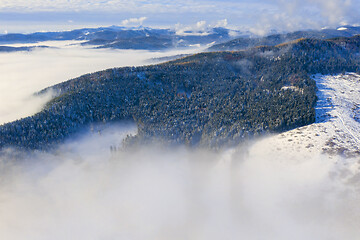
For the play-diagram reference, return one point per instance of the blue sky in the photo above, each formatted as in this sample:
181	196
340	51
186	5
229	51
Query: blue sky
258	15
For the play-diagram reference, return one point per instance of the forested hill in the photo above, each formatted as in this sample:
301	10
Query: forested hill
207	99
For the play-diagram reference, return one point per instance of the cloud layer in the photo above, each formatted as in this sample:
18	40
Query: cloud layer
84	192
24	73
109	5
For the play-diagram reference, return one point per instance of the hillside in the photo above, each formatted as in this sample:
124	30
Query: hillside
335	132
207	99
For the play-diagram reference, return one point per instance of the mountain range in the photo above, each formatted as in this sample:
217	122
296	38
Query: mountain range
123	38
275	39
142	38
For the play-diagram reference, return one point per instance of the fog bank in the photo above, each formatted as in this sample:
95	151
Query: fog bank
83	191
24	73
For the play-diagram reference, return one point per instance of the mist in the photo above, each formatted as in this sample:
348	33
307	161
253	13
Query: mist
24	73
83	190
295	15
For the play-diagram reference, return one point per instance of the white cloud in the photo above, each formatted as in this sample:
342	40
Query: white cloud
199	28
133	21
112	5
335	11
297	14
222	23
134	6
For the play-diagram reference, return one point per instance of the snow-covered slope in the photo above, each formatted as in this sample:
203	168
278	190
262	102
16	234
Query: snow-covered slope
332	141
338	111
335	134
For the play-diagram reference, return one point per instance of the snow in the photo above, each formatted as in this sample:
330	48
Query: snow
341	28
336	131
292	88
333	140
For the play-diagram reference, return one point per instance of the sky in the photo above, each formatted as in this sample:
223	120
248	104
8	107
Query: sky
257	15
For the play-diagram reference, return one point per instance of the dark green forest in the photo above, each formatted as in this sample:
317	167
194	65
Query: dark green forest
210	99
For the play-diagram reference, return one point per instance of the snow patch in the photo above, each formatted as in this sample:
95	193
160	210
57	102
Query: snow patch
334	137
341	28
292	88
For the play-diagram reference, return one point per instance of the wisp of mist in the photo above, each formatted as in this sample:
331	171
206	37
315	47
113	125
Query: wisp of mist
83	190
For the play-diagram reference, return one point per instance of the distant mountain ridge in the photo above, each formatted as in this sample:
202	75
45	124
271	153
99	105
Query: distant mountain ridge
275	39
142	38
123	38
15	49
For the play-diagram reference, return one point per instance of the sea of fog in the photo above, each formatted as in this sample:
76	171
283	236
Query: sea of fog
24	73
83	190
